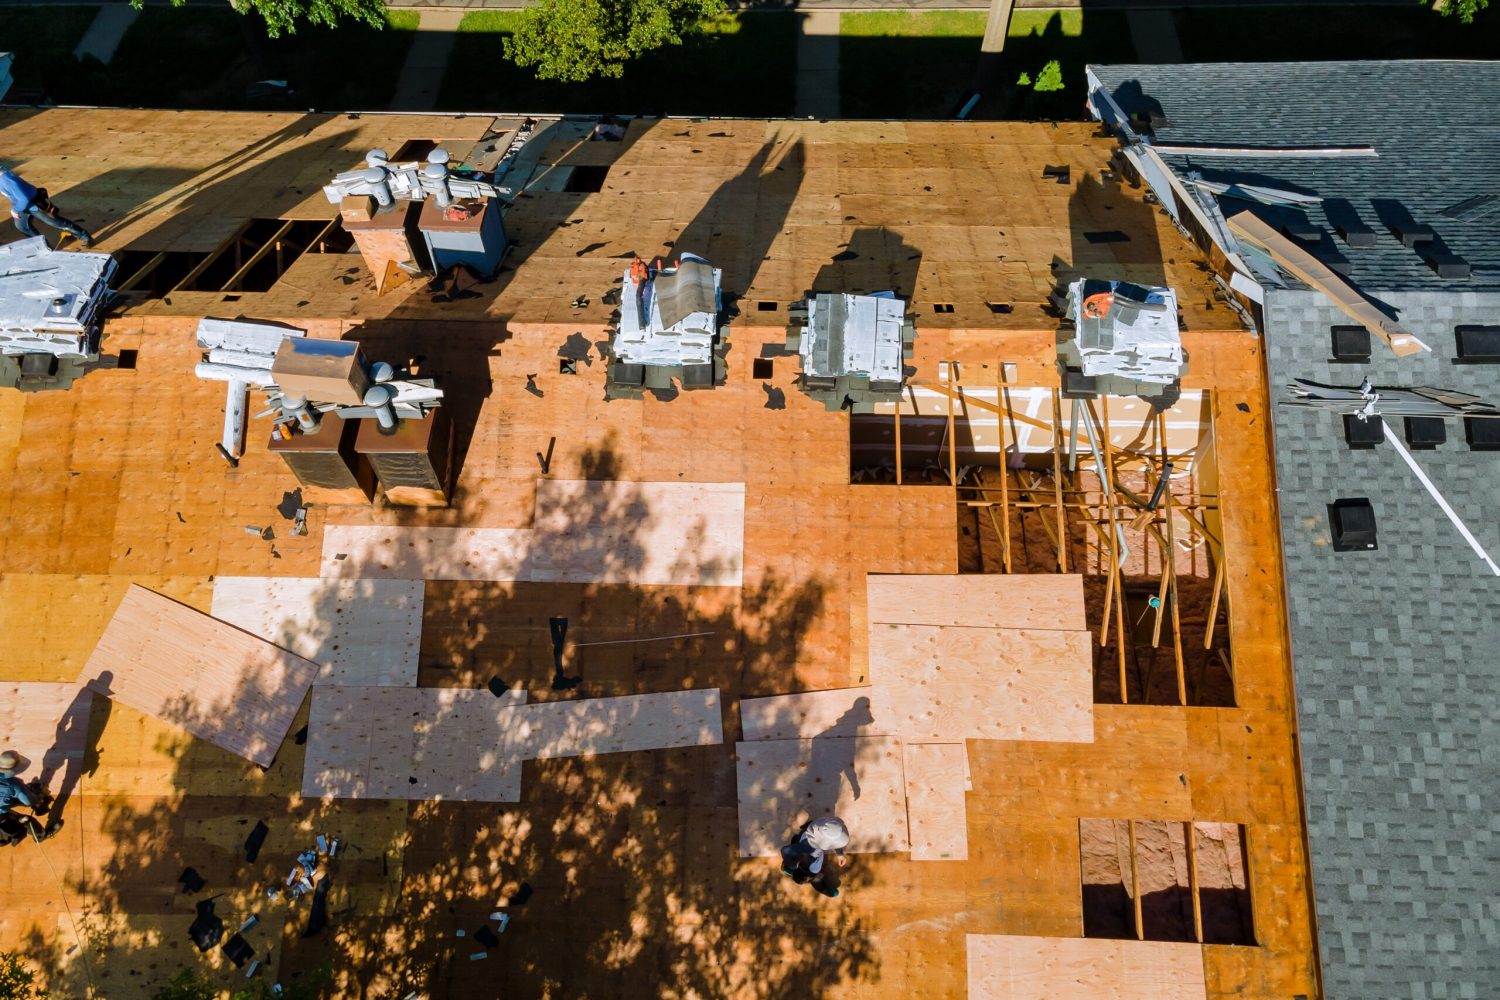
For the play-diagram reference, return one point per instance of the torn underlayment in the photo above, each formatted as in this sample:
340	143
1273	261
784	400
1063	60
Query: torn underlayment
51	300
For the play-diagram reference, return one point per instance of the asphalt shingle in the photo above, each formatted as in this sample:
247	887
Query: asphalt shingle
1433	124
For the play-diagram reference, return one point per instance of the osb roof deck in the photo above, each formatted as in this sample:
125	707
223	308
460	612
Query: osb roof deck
958	214
639	889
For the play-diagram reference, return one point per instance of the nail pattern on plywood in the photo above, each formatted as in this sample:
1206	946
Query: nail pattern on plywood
357	631
785	783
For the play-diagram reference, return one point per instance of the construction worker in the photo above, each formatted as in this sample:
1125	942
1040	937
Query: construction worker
30	204
15	826
805	858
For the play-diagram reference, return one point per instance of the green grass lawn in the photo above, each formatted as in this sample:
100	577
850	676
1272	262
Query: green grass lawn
737	65
1322	33
207	57
922	64
42	39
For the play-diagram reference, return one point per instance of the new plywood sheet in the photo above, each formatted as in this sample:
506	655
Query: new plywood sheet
936	810
841	712
613	725
397	553
594	531
785	783
466	744
992	600
337	762
213	680
371	742
1015	967
465	750
48	725
947	683
357	631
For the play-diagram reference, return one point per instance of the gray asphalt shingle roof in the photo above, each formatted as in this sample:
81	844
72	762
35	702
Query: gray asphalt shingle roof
1434	125
1396	652
1397	660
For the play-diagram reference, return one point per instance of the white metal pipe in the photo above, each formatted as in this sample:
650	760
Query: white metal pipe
236	401
231	373
1463	529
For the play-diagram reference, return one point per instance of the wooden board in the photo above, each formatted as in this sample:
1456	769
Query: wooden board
993	600
1015	967
465	749
48	725
936	810
370	742
388	552
785	783
337	763
357	631
465	744
587	531
594	531
952	683
841	712
219	683
614	725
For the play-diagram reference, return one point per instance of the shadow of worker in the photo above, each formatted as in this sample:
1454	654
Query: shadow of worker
832	760
70	743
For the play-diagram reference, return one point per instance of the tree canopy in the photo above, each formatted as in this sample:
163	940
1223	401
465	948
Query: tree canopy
1465	9
577	40
283	15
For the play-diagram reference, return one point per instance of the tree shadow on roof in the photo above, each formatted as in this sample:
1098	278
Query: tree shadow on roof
619	872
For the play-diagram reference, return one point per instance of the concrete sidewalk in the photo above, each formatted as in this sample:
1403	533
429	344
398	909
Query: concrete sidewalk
817	65
427	60
106	32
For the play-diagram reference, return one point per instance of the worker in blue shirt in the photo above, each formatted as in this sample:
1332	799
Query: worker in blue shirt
30	204
14	792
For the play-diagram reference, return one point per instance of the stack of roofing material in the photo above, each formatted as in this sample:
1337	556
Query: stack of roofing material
670	319
668	329
1125	340
51	301
852	348
952	658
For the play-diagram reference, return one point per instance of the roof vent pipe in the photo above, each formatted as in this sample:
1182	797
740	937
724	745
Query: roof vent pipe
378	398
378	180
436	175
296	406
